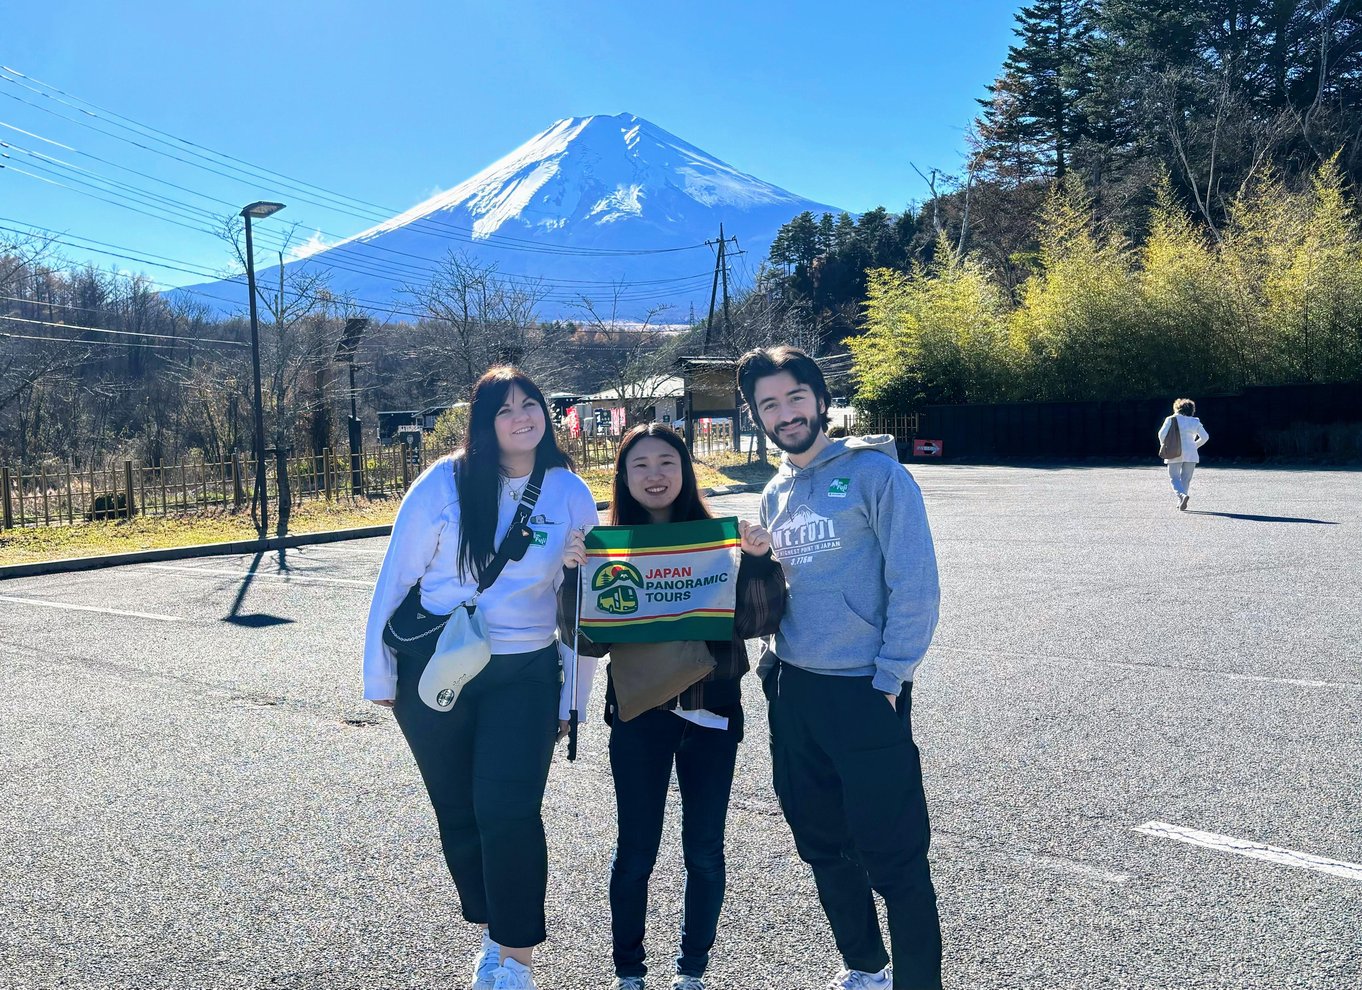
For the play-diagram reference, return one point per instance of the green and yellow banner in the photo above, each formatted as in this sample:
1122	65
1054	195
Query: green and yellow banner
651	584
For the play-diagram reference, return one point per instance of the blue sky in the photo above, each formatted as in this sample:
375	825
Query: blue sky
393	102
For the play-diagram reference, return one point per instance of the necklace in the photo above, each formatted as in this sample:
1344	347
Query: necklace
514	492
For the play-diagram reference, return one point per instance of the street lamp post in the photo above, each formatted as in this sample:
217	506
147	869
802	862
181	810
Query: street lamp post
257	211
345	351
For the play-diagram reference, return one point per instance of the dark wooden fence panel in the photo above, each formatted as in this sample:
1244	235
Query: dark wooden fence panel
1241	425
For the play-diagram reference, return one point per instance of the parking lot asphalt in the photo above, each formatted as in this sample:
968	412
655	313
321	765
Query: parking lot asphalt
1141	733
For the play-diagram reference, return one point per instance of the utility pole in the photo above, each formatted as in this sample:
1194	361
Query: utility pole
345	351
714	289
258	211
720	274
728	327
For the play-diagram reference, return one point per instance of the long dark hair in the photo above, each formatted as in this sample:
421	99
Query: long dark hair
477	465
624	508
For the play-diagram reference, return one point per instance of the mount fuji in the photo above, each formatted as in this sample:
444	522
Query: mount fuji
612	209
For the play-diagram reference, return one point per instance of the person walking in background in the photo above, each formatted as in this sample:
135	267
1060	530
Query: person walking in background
849	527
1180	440
698	731
485	761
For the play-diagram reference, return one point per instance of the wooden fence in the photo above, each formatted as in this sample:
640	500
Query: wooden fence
55	494
902	426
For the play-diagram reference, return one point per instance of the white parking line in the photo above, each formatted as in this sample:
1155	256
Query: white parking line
1051	658
224	572
1233	676
1253	850
973	847
91	608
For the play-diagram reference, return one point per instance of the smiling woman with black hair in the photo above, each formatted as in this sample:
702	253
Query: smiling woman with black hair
485	761
697	731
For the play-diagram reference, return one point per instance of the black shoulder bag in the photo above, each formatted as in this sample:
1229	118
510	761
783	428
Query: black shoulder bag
413	629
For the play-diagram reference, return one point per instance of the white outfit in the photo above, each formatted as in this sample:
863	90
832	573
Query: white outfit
521	607
1193	436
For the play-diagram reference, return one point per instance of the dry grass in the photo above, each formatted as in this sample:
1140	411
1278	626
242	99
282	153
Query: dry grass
154	532
20	546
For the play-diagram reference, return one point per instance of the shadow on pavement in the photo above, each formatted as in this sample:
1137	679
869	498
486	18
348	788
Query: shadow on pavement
1252	518
259	620
252	620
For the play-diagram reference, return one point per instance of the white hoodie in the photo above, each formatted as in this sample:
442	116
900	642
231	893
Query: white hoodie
520	607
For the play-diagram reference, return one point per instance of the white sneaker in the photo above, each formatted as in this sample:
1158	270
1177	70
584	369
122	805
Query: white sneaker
485	964
855	979
628	983
510	975
682	982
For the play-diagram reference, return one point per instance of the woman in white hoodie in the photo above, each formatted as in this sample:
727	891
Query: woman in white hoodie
485	761
1192	435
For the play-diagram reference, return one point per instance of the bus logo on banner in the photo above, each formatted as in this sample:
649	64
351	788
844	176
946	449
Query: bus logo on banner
618	601
658	583
926	448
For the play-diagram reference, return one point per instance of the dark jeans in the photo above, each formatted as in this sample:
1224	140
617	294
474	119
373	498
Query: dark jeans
485	763
849	780
642	751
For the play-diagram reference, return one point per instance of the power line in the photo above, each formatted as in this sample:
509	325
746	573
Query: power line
374	267
172	265
123	333
559	290
123	252
71	340
391	272
50	304
121	204
385	215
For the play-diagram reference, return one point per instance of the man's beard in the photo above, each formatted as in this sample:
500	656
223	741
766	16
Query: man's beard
797	447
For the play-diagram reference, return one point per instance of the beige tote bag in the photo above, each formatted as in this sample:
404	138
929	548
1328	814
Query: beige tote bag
649	674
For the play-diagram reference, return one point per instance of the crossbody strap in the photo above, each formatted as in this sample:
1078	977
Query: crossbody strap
519	524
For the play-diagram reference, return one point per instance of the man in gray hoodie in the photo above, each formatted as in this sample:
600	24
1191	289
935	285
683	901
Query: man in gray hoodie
849	527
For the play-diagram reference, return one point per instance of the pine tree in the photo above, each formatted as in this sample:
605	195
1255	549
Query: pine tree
1048	75
1007	142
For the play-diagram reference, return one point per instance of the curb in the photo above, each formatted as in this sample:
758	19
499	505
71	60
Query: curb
40	567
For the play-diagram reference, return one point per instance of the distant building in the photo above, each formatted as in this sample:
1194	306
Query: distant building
390	420
658	399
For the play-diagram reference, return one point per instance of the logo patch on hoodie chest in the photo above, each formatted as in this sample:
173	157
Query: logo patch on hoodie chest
802	534
839	488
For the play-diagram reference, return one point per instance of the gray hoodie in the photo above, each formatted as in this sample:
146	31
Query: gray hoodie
851	532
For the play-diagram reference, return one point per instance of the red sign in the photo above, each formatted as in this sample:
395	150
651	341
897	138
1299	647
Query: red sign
926	448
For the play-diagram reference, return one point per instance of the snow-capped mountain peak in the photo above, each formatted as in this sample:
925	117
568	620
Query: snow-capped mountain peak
606	206
598	168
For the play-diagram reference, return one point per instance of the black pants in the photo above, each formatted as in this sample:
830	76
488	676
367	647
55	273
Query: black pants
849	780
642	751
485	763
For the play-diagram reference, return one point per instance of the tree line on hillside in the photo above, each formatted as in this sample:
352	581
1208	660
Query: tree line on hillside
1214	117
